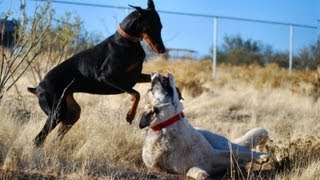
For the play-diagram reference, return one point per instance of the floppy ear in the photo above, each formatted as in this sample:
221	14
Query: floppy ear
146	119
148	116
139	9
172	84
151	4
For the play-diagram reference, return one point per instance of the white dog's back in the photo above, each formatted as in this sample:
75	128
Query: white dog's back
176	148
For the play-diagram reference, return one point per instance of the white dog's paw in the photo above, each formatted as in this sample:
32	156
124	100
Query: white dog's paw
197	173
203	176
263	158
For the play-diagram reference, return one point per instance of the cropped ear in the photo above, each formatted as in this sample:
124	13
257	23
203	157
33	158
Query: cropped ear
139	9
151	4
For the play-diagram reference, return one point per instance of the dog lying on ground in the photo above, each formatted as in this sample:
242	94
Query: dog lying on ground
112	67
173	145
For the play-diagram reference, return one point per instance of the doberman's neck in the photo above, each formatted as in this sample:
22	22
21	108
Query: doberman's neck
130	28
125	35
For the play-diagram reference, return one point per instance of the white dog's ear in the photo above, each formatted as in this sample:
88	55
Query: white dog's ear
179	93
172	84
147	117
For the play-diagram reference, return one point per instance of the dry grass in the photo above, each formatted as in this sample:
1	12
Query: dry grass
102	145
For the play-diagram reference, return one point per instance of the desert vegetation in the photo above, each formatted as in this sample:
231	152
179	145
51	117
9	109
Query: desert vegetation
253	89
103	145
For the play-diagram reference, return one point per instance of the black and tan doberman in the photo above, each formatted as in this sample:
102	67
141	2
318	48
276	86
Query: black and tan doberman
113	66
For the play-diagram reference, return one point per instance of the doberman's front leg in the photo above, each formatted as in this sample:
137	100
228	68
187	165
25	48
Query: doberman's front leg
144	78
135	98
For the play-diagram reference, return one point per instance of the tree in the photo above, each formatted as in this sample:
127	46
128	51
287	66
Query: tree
237	51
315	55
14	64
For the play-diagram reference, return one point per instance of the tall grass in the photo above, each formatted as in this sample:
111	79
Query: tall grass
102	144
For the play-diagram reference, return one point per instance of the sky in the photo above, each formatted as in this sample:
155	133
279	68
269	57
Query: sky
196	33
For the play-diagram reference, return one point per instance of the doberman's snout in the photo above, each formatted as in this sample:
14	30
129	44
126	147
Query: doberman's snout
160	48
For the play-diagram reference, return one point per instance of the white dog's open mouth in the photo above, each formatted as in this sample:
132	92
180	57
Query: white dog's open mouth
164	80
159	79
162	83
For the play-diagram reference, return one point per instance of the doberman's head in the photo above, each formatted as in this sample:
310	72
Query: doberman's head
146	24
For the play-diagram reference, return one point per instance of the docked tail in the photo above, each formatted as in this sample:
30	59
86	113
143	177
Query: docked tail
33	90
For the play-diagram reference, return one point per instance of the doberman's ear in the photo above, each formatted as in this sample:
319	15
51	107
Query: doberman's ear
151	4
139	9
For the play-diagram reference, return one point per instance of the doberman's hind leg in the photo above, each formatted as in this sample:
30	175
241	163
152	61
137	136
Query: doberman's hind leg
50	124
54	110
135	98
71	116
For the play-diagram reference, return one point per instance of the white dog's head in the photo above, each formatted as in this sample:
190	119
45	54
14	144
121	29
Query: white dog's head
163	100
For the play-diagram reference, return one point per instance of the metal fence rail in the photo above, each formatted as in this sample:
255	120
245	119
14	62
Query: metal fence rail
215	18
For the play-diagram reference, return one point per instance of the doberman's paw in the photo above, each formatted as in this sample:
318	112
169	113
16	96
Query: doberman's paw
130	117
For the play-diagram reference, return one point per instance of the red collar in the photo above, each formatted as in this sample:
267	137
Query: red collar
168	122
127	36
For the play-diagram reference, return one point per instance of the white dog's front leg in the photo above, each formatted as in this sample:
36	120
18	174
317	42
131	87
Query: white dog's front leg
197	173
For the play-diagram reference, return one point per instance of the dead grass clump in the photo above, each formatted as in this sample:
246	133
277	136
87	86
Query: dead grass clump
103	145
269	76
293	155
16	109
99	142
313	78
189	75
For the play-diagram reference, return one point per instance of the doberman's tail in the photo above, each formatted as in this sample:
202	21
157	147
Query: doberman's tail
32	90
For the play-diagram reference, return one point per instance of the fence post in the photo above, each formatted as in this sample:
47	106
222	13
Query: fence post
23	13
318	27
290	48
214	48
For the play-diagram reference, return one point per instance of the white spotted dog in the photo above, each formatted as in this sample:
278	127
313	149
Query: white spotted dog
173	145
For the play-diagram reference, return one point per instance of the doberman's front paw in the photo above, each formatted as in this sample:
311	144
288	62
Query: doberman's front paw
130	117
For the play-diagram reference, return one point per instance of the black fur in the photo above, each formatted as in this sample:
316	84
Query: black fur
113	66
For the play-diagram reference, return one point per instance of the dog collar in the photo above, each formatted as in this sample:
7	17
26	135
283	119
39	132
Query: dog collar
127	36
168	122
